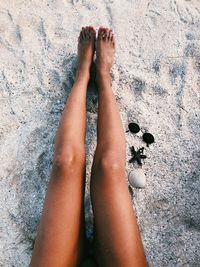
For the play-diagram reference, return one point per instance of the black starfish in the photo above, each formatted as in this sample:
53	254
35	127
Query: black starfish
137	155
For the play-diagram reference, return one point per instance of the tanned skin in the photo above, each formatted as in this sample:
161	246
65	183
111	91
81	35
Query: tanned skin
60	240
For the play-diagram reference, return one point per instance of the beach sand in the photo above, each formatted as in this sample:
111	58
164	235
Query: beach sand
156	79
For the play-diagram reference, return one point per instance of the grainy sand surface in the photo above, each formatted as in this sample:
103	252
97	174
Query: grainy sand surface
156	79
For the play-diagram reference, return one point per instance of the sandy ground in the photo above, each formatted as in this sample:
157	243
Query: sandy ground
156	79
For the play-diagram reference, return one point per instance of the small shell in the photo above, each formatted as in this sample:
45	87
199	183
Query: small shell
137	178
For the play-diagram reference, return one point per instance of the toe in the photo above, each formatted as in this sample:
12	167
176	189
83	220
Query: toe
84	33
90	32
102	33
107	34
113	39
93	32
110	34
87	32
80	38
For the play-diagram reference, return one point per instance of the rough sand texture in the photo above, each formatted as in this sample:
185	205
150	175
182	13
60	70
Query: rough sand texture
156	79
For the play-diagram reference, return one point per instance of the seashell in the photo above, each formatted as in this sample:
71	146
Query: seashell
137	178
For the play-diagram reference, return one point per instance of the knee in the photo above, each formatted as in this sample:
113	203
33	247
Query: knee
67	162
64	160
109	164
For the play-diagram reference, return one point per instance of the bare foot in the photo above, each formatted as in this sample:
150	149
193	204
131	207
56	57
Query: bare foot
105	51
86	42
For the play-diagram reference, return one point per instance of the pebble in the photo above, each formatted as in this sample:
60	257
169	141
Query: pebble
137	178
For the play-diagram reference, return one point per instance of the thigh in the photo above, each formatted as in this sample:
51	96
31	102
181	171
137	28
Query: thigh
60	239
117	237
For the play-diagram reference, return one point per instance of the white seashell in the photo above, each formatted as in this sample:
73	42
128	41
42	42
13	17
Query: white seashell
137	178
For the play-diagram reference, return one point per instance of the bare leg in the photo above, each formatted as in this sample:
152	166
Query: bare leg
60	239
117	237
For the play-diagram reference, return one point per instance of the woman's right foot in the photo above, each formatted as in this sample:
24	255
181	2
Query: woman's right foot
105	51
86	43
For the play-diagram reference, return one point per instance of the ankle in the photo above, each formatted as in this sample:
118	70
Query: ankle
82	74
103	75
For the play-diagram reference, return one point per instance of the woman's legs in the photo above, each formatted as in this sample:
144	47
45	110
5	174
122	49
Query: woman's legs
60	239
117	237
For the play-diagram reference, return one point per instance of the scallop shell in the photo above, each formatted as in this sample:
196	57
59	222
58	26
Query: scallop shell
137	178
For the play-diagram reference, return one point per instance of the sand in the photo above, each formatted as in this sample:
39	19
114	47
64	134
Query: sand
156	79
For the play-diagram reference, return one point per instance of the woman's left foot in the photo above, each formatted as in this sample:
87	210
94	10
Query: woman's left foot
86	43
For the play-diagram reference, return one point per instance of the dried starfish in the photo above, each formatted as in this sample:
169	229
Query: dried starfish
137	155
